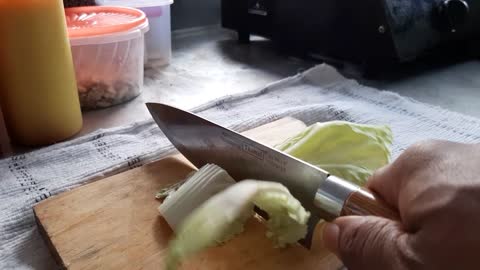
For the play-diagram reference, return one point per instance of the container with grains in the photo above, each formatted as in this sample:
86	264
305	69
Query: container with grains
108	51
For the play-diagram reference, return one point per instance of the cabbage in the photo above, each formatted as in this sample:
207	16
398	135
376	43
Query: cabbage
181	200
347	150
210	208
222	217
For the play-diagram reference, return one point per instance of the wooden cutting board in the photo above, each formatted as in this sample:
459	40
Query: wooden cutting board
114	224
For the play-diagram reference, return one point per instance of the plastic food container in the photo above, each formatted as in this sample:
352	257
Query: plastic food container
108	48
158	39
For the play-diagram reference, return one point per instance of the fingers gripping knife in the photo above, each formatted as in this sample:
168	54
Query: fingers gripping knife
325	196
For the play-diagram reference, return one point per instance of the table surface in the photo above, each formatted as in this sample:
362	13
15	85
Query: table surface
208	63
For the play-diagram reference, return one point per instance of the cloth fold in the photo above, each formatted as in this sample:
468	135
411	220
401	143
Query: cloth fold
319	94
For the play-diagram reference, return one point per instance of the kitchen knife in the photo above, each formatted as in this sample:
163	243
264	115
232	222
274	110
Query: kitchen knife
325	196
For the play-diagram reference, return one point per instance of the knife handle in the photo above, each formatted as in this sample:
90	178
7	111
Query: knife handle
337	197
363	203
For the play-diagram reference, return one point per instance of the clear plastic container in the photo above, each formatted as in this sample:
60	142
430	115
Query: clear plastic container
159	39
108	48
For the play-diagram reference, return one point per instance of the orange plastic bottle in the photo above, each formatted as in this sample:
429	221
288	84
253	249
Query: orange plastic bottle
38	92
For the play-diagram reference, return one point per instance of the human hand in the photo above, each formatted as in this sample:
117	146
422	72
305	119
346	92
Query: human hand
435	186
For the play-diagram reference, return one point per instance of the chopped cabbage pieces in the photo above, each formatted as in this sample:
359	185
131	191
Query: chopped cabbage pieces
222	217
196	189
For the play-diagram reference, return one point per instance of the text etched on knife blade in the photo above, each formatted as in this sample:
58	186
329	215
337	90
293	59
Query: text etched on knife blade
244	146
277	162
274	160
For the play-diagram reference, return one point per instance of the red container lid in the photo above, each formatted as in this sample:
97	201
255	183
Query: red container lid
102	20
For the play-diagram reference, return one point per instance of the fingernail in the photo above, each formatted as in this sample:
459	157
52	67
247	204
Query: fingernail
330	237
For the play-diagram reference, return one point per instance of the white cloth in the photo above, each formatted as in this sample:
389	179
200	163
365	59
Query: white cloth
319	94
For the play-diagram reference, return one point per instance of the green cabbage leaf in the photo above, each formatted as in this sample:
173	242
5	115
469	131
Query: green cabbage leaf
347	150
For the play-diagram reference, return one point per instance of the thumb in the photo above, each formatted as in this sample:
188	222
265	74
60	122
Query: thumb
366	242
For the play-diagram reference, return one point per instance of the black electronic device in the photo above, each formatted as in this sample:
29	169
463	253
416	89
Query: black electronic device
367	32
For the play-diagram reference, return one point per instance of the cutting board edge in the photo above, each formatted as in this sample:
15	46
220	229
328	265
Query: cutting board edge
48	241
178	157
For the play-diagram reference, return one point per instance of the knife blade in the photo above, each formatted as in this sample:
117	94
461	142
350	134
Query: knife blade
325	196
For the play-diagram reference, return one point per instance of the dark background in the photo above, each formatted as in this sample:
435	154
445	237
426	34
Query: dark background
194	13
